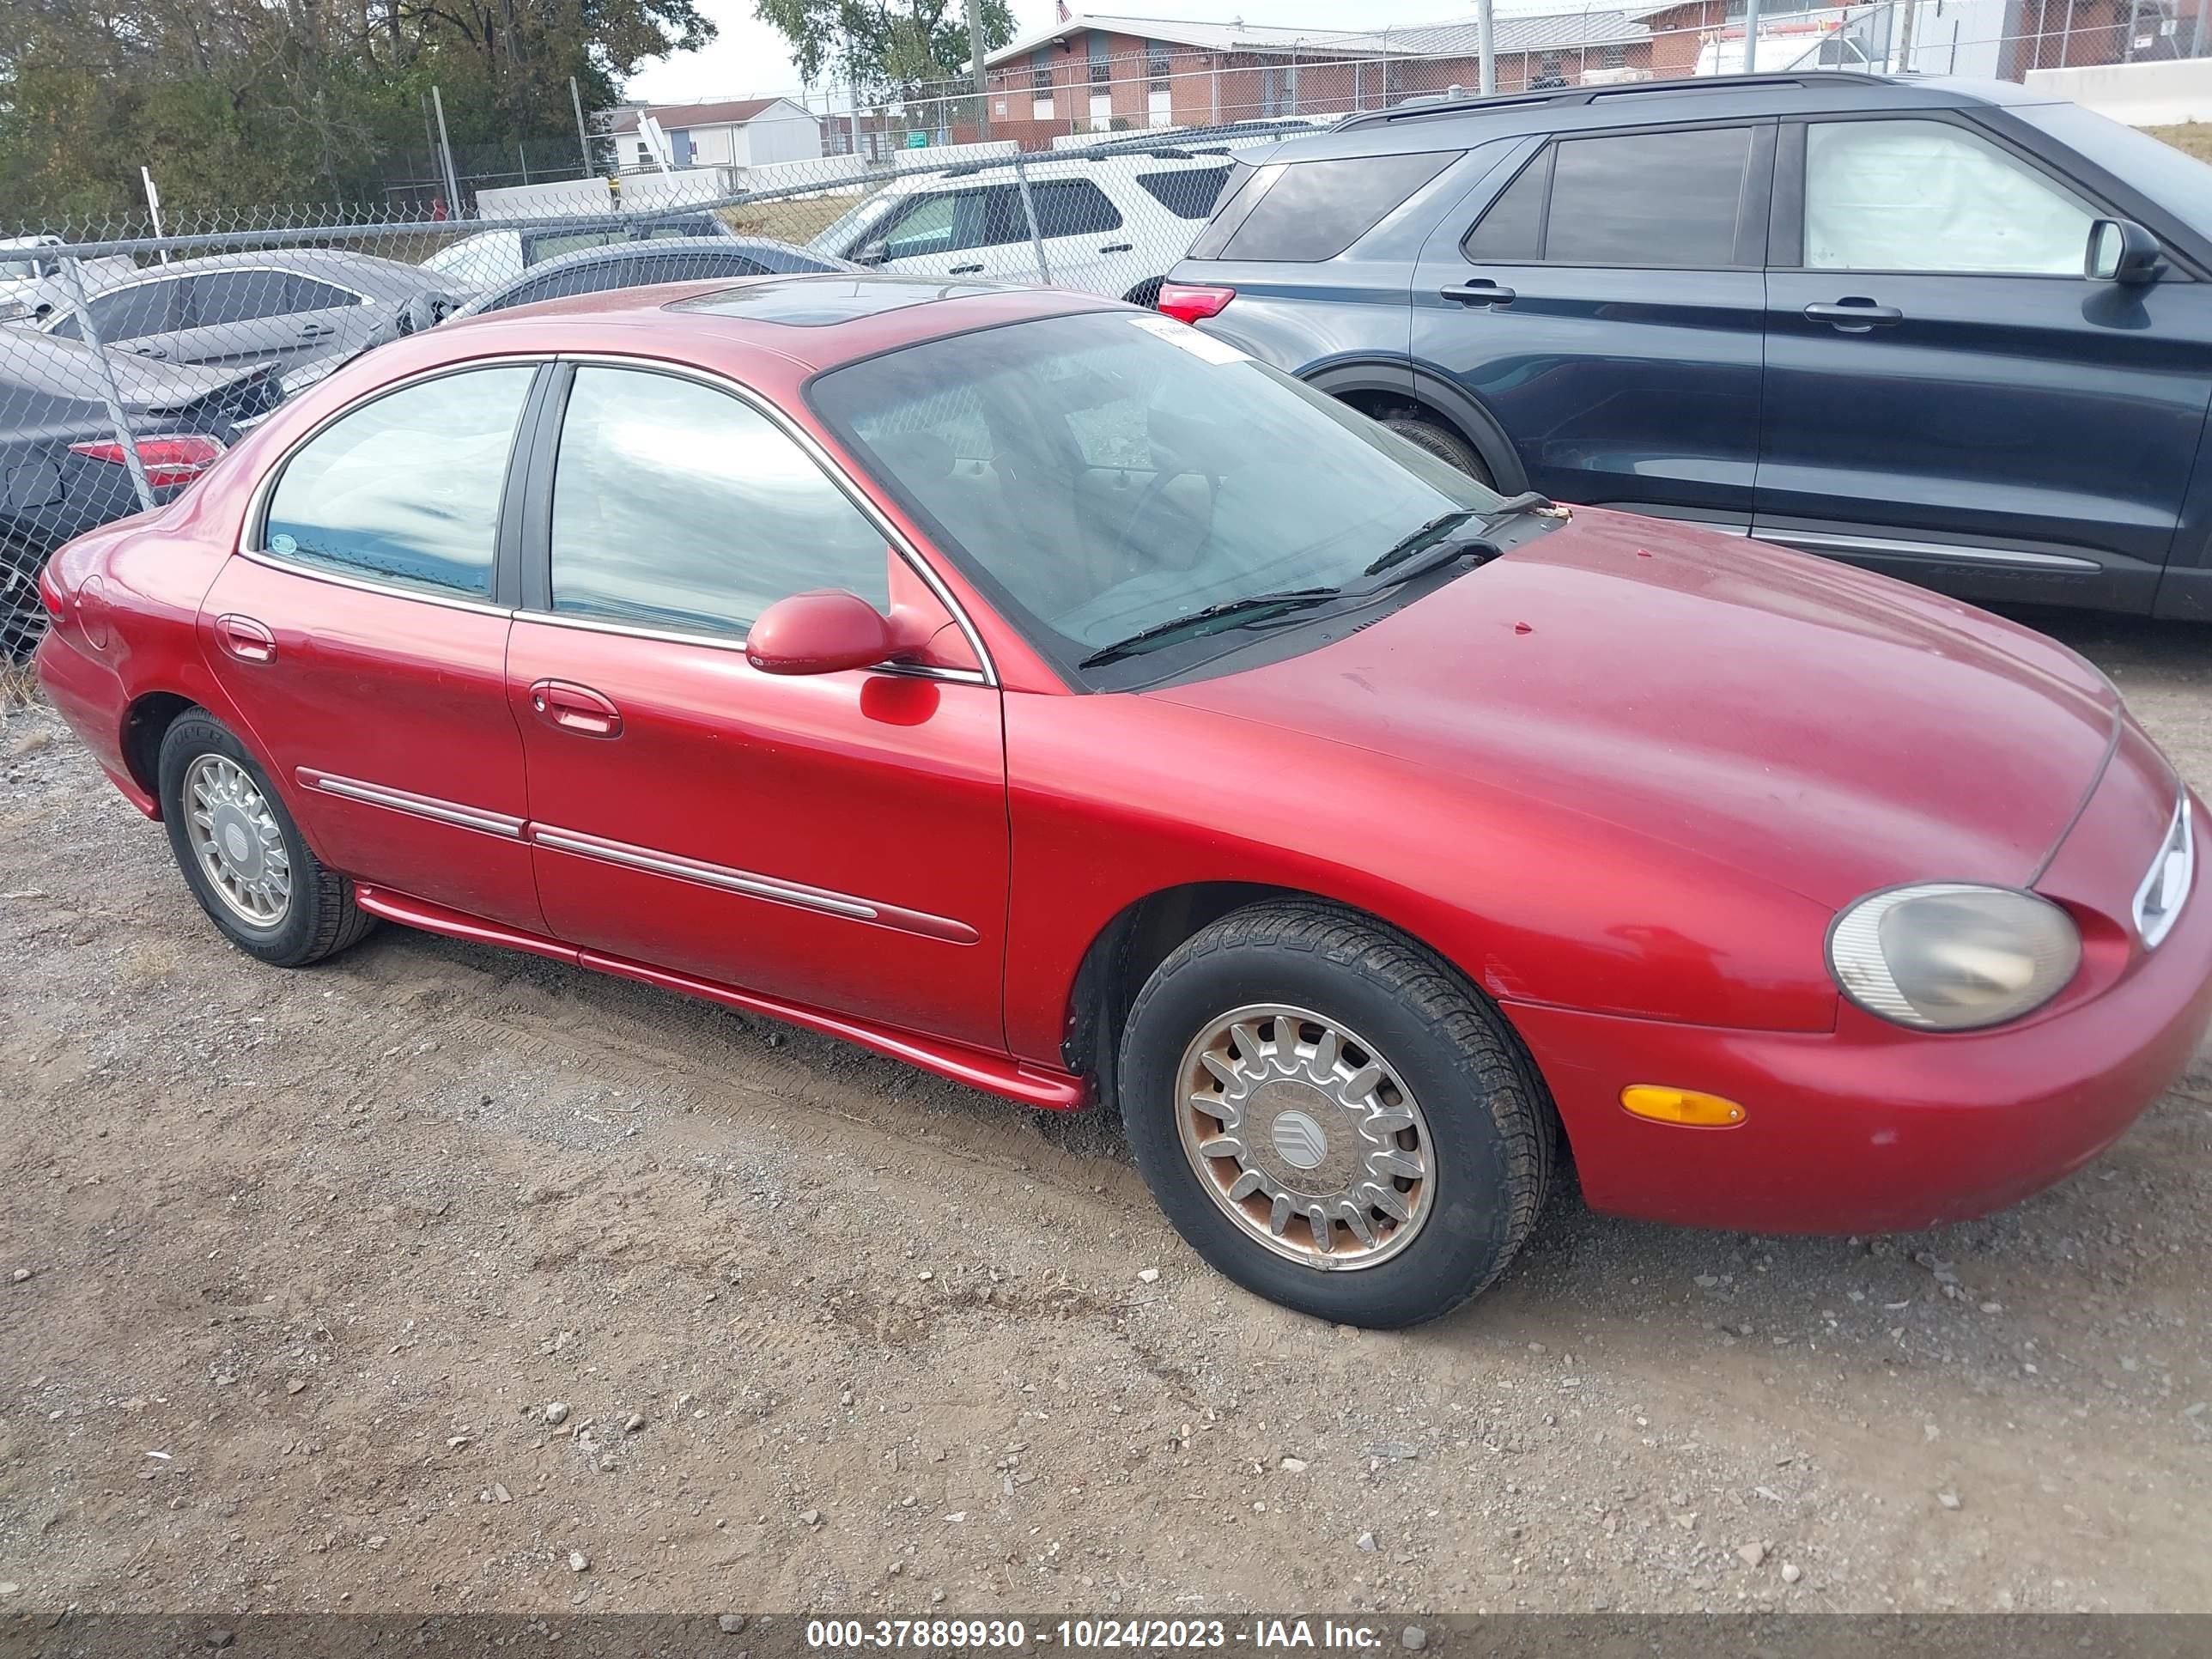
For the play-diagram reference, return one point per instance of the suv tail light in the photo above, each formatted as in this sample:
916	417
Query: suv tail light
167	460
1188	301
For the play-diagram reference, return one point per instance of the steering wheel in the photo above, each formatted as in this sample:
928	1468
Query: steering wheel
1149	497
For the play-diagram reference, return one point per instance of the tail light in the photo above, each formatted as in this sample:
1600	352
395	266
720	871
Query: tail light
167	461
1188	301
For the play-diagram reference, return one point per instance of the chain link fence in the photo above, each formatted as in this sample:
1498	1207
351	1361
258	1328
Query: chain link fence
131	362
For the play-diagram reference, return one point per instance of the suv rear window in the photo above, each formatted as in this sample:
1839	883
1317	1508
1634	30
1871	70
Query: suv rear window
1188	194
1315	210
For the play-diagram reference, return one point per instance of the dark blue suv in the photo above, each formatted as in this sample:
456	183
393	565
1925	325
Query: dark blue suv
1934	328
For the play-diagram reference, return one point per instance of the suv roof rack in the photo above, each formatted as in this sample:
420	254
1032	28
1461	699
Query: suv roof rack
1806	81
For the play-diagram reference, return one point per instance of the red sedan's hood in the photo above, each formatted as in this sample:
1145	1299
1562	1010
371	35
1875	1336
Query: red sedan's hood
1833	732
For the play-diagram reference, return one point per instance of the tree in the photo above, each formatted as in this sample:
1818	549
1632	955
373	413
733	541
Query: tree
235	102
882	48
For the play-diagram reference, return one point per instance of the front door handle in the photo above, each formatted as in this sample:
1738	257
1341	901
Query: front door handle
1853	315
316	331
1480	293
246	638
964	271
1117	248
575	709
147	351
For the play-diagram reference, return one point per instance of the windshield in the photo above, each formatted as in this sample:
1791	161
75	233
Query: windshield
842	235
2179	183
1106	473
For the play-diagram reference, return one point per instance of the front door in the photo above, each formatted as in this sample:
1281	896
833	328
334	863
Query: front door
1948	398
1606	306
362	637
835	840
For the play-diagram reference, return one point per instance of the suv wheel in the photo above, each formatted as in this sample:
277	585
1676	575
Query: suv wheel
1445	444
1332	1117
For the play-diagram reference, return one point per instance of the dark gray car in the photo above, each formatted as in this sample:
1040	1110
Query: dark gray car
62	469
1957	331
287	306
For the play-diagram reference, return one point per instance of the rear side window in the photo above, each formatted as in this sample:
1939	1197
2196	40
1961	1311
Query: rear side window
406	489
1316	209
1065	207
1188	194
1649	199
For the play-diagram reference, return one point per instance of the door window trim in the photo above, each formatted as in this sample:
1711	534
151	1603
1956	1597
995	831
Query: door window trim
1755	210
535	520
1786	230
253	533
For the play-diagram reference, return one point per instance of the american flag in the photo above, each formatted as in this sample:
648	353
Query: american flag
1063	10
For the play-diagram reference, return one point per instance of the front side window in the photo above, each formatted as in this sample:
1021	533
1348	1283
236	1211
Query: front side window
238	296
1103	472
676	506
1930	196
1315	210
925	228
406	489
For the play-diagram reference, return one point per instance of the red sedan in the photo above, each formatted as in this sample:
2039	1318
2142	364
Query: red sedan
1044	693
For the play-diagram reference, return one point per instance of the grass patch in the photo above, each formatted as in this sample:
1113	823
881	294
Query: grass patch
790	219
2191	139
19	686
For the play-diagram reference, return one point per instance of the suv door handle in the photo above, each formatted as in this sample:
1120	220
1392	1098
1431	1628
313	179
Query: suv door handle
1853	315
1481	292
1117	248
316	331
964	271
246	638
575	709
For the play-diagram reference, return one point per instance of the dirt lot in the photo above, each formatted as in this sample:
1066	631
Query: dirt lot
310	1255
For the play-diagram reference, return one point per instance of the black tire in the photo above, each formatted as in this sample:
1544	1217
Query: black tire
1489	1119
1446	446
319	917
22	613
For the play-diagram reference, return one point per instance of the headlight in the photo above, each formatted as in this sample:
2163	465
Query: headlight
1946	957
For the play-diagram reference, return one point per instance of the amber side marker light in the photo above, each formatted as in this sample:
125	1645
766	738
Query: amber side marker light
1681	1106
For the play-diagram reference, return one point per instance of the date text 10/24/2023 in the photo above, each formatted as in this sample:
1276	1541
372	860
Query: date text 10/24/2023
1258	1635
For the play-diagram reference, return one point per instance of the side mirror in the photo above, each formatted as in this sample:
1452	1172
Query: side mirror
821	632
2121	250
872	253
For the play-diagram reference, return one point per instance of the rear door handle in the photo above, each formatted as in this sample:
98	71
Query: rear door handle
316	331
1854	316
964	271
1117	248
246	638
147	351
1477	294
575	709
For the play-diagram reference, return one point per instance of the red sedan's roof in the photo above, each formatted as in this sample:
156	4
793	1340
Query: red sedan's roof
814	321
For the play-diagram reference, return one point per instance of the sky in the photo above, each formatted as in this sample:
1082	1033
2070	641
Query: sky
749	59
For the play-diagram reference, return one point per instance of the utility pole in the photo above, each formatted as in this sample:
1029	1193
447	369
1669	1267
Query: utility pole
445	144
1751	37
984	79
1905	35
1486	30
583	139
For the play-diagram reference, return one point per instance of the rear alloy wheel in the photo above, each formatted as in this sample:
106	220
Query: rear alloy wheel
1332	1116
1446	446
22	614
242	855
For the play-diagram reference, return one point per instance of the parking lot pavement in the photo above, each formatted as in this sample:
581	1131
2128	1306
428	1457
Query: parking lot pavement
310	1256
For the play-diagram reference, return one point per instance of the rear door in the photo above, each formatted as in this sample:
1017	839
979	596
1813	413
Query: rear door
1604	306
1948	398
363	631
835	840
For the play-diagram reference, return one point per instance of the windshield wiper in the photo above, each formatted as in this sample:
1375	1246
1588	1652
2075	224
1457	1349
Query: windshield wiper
1145	639
1415	540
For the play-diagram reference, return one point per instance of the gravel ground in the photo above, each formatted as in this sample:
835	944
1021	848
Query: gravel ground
440	1278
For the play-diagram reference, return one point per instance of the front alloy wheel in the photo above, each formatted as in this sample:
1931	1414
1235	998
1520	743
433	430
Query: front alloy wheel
1332	1115
1305	1137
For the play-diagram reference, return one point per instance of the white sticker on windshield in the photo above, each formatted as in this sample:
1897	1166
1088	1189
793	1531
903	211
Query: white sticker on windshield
1191	340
